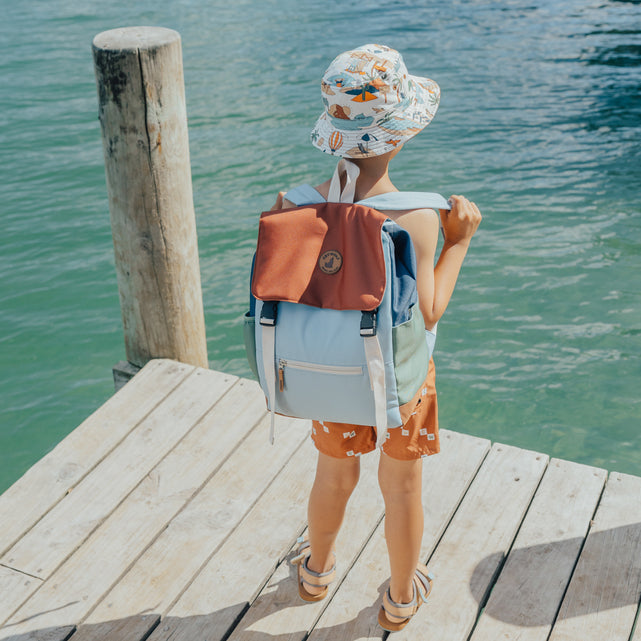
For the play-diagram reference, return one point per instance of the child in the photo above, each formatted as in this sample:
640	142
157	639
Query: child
372	106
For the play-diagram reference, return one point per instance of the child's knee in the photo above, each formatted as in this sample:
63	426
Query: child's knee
339	475
397	478
346	482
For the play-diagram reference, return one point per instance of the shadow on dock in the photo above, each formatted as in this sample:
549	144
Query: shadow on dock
535	569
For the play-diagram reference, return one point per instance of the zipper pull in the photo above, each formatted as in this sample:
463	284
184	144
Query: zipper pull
281	375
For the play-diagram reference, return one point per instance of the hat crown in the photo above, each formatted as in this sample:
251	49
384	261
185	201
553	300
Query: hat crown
365	84
372	104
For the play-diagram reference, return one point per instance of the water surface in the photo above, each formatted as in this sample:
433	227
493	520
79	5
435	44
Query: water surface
539	124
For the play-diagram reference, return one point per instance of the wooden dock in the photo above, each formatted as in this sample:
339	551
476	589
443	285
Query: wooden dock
167	515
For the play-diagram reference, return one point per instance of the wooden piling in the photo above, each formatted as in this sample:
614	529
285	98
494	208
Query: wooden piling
144	131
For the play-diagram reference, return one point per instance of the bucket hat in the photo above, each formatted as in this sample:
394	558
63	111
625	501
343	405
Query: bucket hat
372	104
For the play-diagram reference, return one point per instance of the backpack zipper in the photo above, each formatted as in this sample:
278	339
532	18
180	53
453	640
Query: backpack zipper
342	370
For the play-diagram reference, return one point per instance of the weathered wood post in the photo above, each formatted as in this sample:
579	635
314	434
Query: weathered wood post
143	117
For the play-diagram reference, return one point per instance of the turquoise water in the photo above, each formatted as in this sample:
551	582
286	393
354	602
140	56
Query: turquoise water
540	124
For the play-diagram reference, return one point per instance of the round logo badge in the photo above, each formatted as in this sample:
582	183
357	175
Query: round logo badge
330	262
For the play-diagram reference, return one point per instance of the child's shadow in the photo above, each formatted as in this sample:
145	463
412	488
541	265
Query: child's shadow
293	618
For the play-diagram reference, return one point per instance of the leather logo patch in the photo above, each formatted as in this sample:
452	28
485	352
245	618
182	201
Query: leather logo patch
330	262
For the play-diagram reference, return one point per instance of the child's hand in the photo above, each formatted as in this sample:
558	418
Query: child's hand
461	222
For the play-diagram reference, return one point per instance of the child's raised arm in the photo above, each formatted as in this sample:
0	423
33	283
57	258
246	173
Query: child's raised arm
435	284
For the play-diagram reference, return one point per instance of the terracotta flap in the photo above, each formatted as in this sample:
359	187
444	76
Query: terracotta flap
326	255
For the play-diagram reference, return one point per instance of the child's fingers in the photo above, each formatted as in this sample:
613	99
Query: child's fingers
463	207
455	201
461	222
474	207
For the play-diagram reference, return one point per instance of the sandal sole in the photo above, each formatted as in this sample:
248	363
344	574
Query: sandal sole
390	626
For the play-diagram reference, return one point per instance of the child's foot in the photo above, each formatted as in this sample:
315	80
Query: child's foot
395	616
312	586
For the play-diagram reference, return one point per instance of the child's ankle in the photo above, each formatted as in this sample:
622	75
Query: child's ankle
320	568
402	596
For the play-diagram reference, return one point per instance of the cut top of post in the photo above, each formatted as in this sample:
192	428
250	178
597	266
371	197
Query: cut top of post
135	38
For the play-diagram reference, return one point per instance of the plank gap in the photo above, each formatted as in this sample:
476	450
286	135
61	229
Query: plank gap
603	597
150	631
9	613
72	631
239	618
637	623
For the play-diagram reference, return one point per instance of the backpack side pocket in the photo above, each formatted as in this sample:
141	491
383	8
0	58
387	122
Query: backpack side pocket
411	355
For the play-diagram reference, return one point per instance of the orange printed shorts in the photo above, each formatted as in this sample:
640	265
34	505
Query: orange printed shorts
416	438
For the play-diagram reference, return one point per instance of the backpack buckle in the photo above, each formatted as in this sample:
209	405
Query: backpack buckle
368	323
269	312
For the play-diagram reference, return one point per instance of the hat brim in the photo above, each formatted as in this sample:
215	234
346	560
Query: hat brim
346	139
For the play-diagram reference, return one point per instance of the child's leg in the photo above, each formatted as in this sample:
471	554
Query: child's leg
334	483
400	483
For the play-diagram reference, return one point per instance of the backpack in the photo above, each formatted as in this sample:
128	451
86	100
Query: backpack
334	331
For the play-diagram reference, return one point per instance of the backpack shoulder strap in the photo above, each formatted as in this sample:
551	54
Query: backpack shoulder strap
304	195
399	200
394	200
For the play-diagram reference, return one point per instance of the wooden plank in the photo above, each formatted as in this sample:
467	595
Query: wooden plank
59	471
242	565
43	635
353	612
65	527
476	542
603	596
526	597
12	581
80	583
168	566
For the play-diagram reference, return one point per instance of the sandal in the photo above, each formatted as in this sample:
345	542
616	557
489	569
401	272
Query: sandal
309	577
422	586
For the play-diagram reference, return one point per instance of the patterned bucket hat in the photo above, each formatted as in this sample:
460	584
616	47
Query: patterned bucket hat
372	104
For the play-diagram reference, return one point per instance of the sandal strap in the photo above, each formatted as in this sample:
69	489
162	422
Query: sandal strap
302	552
421	586
316	579
423	580
400	610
